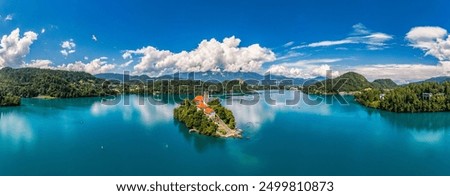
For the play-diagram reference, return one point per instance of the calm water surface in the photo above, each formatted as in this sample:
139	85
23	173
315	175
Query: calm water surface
85	137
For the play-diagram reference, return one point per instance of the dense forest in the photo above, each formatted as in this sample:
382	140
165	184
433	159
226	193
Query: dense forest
384	84
420	97
9	100
188	114
33	82
350	82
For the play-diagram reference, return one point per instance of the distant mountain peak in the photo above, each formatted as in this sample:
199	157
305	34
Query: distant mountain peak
220	77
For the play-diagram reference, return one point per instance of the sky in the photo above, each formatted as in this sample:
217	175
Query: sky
403	40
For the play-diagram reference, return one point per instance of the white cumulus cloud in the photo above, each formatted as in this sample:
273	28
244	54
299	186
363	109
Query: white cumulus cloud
309	68
68	47
434	41
285	71
210	55
14	48
96	66
39	63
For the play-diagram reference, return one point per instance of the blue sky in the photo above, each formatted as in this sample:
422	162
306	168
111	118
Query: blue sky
305	37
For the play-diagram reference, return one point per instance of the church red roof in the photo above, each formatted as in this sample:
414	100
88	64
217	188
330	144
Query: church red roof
209	110
202	105
198	98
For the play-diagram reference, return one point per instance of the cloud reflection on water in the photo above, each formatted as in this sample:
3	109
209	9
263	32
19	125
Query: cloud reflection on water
428	136
252	116
423	127
15	129
147	112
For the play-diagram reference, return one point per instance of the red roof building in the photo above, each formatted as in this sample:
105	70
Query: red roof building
198	99
202	105
209	111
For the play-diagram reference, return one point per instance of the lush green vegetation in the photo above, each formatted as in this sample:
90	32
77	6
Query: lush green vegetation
423	97
350	82
384	84
370	98
225	114
9	100
33	82
194	119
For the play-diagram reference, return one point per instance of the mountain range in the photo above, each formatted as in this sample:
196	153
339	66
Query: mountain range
256	78
439	79
250	77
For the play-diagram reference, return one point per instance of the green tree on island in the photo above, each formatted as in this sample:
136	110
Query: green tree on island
193	119
225	114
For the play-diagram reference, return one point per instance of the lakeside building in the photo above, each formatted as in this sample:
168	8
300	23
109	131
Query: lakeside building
201	103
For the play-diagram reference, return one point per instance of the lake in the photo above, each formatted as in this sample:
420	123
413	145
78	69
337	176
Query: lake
85	137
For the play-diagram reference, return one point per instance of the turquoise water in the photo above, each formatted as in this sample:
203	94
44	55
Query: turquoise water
85	137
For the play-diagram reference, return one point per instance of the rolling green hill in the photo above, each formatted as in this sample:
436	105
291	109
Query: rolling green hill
348	82
384	84
33	82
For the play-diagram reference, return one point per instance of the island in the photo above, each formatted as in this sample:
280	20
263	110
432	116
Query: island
207	117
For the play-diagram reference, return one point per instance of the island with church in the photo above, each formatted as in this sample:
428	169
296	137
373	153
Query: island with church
207	117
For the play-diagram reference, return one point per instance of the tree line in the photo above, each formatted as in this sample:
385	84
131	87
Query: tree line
177	86
33	82
422	97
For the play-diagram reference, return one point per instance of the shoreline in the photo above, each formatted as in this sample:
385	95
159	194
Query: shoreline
45	97
236	133
339	93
